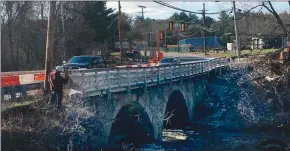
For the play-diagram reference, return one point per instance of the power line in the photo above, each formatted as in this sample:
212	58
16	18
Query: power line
189	35
228	14
179	34
183	10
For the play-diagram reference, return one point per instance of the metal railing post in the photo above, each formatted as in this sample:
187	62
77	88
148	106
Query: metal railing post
188	69
191	69
158	79
108	83
151	75
145	79
119	77
202	67
96	80
83	83
171	74
82	78
128	81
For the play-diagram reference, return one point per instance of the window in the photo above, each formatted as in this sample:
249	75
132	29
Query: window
80	59
100	60
163	60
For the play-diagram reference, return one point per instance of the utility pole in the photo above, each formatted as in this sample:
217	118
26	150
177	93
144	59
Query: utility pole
178	38
151	51
120	33
146	45
157	44
49	41
236	31
289	23
63	29
165	37
142	12
204	34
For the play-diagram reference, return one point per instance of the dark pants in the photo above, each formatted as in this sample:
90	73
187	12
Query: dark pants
59	98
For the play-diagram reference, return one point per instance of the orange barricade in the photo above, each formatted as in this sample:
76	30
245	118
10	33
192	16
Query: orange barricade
9	81
39	77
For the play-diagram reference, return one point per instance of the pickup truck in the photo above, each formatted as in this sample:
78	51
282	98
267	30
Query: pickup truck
87	62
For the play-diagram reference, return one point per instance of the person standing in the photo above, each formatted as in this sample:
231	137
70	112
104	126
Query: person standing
56	82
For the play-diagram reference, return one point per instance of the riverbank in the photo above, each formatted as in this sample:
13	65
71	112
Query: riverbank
220	53
247	109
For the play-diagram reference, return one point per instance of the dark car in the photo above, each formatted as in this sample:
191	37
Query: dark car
77	62
134	55
168	61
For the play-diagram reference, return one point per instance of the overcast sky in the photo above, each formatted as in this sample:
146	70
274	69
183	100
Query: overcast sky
157	11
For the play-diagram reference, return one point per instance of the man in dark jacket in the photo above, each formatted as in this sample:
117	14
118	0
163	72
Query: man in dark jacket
56	83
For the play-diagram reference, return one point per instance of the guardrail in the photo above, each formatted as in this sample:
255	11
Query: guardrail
93	82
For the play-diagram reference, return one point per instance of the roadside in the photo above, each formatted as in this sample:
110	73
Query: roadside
219	54
32	97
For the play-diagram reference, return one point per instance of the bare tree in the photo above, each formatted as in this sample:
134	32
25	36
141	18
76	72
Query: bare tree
272	10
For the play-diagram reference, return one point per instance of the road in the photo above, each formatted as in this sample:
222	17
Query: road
185	57
176	54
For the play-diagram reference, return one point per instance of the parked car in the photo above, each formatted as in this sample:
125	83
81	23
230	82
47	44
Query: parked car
168	61
77	62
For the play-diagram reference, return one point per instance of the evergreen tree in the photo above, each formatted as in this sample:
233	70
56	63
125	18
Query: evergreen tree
102	20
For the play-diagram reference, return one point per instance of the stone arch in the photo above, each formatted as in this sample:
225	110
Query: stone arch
131	125
177	105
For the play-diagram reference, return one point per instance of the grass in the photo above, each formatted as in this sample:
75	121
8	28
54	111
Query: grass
228	53
32	97
243	52
27	125
7	105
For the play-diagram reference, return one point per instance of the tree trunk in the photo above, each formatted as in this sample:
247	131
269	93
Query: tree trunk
50	40
9	8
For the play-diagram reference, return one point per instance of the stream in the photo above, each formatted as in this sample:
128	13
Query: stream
233	116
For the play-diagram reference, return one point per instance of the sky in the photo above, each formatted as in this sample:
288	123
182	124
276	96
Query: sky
156	11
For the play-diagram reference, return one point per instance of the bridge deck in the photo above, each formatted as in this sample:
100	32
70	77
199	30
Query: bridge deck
95	82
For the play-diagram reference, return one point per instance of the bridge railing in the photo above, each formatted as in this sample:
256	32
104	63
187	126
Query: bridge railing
95	82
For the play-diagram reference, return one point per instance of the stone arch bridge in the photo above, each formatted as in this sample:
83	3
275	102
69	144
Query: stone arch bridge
157	93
